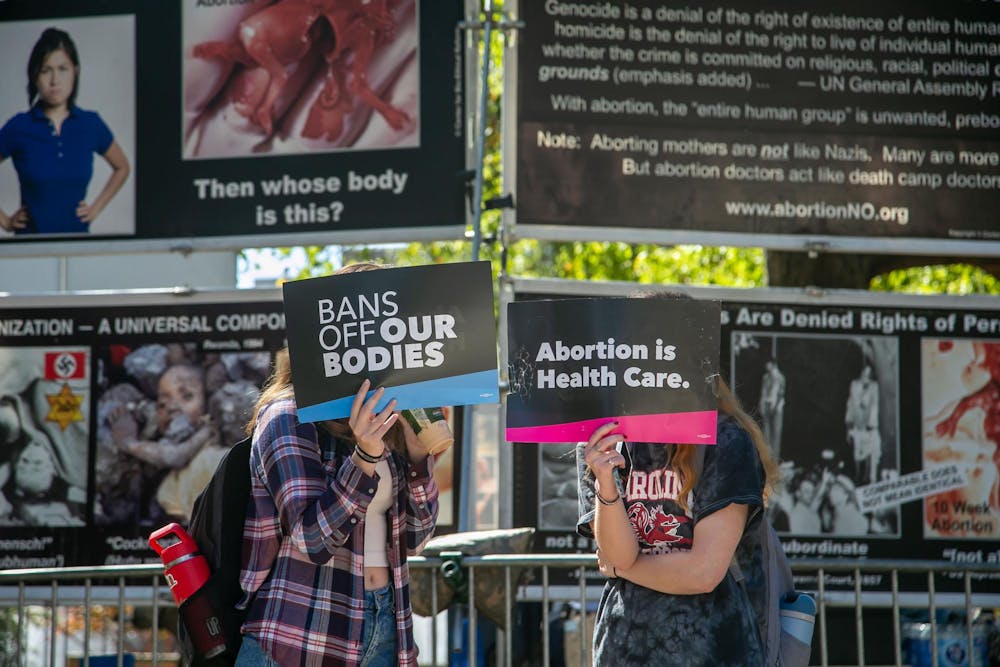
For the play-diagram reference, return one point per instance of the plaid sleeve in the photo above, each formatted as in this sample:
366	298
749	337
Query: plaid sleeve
318	508
421	505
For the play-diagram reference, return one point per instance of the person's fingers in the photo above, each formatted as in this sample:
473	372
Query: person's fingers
611	459
367	412
593	456
384	426
600	432
589	457
610	442
600	461
601	452
358	401
385	416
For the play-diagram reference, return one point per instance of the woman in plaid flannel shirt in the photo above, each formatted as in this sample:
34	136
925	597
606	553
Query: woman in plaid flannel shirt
317	594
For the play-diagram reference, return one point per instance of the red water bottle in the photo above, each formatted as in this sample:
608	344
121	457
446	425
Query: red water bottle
187	572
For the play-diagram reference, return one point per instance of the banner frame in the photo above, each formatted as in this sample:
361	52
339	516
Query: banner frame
451	228
185	245
787	242
513	230
512	287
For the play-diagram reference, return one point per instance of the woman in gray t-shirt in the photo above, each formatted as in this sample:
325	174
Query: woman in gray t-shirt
667	527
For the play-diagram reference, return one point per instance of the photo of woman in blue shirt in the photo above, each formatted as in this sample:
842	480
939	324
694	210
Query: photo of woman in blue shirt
52	147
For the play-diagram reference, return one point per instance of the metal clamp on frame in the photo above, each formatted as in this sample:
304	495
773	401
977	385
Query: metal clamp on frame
454	575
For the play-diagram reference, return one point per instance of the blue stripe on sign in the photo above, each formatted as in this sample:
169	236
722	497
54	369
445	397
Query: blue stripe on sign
468	389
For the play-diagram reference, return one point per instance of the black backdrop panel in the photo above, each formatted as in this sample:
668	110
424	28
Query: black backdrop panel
212	156
113	416
858	401
792	118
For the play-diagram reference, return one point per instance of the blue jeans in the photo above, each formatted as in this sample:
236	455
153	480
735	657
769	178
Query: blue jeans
252	655
378	638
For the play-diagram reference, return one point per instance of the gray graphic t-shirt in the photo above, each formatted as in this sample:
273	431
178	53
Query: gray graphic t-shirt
638	626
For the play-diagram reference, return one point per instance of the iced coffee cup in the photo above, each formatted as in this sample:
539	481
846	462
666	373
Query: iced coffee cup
431	428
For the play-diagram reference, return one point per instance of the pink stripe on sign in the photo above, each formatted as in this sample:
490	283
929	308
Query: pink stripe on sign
677	427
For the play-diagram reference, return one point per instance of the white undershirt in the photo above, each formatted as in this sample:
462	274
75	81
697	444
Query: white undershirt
376	529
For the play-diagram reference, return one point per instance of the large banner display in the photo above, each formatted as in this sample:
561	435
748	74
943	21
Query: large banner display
760	118
193	120
114	412
881	415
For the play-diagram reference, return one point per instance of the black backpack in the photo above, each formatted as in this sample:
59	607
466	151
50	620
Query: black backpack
217	527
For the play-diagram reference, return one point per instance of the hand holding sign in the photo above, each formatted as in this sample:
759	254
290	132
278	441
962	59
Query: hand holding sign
368	426
602	456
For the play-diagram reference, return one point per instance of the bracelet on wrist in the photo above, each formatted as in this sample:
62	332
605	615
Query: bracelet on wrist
605	501
365	456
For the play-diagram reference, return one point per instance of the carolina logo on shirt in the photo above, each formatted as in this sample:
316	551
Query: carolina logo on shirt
653	485
657	528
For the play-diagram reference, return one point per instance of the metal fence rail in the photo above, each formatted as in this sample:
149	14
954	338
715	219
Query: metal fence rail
143	586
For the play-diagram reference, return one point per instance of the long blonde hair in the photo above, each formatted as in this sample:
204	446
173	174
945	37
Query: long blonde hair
684	456
279	386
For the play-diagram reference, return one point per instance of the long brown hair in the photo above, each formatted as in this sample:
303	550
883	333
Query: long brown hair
279	387
684	456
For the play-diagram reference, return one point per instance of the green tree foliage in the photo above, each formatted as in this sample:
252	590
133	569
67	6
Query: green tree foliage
938	279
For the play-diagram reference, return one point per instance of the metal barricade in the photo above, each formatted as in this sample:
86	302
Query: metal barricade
52	589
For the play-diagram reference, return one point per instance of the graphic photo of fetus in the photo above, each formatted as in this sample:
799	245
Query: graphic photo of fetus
961	412
299	76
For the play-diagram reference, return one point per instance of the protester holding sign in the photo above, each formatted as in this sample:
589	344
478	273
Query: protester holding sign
666	536
638	377
337	507
52	146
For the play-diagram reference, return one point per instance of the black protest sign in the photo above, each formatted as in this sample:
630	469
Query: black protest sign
425	333
647	363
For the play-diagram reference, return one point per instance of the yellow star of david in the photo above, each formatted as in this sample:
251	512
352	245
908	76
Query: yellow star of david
64	407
